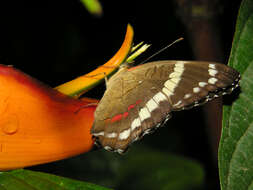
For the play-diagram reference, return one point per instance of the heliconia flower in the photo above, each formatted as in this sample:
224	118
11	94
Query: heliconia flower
82	84
39	124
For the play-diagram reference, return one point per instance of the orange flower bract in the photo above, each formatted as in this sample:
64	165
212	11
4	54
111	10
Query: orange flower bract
38	124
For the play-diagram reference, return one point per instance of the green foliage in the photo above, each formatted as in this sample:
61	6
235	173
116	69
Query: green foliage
93	6
29	180
236	145
149	169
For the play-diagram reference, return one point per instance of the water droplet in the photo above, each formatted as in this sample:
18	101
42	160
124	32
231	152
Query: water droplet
10	128
10	125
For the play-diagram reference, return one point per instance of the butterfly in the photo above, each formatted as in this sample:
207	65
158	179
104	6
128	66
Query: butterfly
139	99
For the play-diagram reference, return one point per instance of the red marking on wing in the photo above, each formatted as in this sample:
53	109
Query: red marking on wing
137	102
125	114
116	118
131	107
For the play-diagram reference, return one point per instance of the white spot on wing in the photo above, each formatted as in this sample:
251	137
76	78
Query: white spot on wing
212	66
186	96
179	64
159	97
151	105
120	151
175	75
135	124
212	80
147	132
196	90
178	103
170	85
99	134
111	135
124	134
202	84
144	114
175	78
107	148
167	92
212	72
179	69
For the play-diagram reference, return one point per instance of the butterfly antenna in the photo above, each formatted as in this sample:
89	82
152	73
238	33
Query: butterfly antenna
161	50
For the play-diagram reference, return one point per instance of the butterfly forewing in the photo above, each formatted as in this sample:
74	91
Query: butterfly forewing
138	100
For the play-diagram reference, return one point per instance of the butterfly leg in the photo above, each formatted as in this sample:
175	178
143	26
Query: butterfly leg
85	106
103	73
106	80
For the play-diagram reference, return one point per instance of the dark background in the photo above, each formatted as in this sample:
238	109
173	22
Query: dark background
56	41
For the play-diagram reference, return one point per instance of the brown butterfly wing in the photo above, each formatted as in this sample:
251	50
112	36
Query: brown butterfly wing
139	99
125	96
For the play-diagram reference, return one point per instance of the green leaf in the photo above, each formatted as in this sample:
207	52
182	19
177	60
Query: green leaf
241	53
29	180
149	169
93	6
236	150
236	144
245	12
